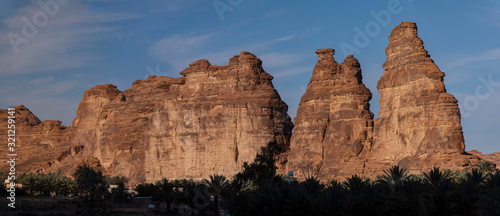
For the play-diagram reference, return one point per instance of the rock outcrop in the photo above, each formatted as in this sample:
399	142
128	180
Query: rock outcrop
334	125
418	126
493	157
417	117
37	144
214	118
210	121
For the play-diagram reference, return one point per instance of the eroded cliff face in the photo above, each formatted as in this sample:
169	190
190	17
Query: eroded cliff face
215	118
38	144
333	127
210	121
418	126
417	117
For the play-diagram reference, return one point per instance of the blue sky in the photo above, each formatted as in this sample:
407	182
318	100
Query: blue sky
76	45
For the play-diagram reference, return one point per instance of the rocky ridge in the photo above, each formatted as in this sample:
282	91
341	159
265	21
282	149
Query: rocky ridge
214	118
209	121
37	144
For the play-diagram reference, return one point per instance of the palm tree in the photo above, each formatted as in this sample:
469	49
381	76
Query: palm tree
486	167
436	177
195	195
91	184
489	199
145	189
408	198
216	185
29	181
268	198
166	192
441	193
333	200
394	176
240	204
236	198
364	196
238	185
297	200
468	191
313	187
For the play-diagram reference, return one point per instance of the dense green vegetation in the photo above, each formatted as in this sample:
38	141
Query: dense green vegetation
257	190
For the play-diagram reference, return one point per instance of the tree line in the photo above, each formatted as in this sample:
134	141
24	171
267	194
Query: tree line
258	190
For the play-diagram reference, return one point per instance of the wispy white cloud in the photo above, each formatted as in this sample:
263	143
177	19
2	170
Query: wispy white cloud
181	50
491	54
285	38
62	41
42	80
490	15
277	59
53	89
44	98
275	13
291	72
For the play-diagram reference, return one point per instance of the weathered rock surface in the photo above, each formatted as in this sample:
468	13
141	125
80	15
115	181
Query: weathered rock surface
493	157
419	122
417	117
36	142
418	126
215	118
333	124
210	121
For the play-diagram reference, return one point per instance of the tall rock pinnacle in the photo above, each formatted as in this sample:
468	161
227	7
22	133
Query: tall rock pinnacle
417	117
333	123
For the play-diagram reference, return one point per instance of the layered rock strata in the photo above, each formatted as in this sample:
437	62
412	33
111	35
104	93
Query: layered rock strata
215	118
417	117
37	144
334	125
418	126
210	121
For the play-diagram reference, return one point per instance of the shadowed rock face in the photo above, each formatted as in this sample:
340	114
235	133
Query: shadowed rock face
333	123
417	117
210	121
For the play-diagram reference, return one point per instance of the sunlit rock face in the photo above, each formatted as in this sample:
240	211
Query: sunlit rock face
334	125
214	118
210	121
418	125
417	117
37	143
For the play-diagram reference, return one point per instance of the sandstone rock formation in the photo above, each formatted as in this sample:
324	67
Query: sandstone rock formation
210	121
417	117
418	126
333	124
493	157
36	142
215	118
